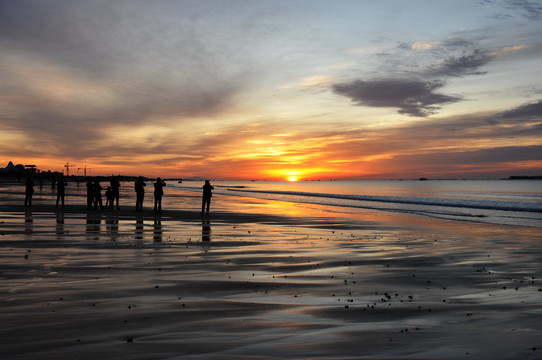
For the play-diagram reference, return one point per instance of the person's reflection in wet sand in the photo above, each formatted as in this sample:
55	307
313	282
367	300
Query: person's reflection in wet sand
139	228
205	230
93	225
59	224
157	228
112	226
28	223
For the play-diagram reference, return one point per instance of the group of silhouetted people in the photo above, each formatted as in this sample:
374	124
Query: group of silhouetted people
60	185
112	194
94	194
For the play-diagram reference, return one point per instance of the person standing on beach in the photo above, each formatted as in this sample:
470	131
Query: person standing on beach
139	186
207	195
90	193
29	191
98	194
60	190
158	193
115	185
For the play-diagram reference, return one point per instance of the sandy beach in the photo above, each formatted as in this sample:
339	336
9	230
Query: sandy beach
260	279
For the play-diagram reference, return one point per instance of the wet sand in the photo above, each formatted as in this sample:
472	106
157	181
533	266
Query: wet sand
261	280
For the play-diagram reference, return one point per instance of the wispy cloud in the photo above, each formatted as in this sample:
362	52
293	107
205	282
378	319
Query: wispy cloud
509	49
424	45
462	65
531	10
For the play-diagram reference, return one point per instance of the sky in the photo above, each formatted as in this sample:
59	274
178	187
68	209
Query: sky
275	90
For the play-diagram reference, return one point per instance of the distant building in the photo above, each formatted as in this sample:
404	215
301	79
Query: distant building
32	169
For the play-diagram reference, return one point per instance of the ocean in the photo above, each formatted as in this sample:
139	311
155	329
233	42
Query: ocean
503	202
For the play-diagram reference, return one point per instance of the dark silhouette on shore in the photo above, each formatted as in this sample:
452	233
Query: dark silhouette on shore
90	193
139	186
207	195
60	190
158	193
98	194
115	185
29	191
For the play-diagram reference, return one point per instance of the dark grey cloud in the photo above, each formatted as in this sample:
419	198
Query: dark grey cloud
532	110
411	97
415	94
463	65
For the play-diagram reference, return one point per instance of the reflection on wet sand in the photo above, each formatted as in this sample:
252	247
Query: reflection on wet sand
139	228
93	225
59	224
28	223
112	226
206	230
157	228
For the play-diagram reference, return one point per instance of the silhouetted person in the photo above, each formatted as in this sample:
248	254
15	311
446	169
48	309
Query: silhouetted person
139	186
29	191
98	194
90	193
207	195
60	190
109	198
115	185
158	193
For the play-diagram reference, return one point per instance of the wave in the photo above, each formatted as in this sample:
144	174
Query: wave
445	202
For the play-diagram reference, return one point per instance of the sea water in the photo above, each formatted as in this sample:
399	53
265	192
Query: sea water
505	202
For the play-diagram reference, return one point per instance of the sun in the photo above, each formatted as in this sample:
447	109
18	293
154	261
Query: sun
292	178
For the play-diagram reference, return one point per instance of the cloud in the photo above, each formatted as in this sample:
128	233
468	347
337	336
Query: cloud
411	97
532	110
72	70
463	65
509	49
415	94
456	42
424	45
531	10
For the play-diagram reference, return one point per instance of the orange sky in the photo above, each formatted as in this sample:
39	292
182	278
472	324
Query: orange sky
272	90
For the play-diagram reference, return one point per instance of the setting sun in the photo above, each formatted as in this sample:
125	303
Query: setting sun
292	178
